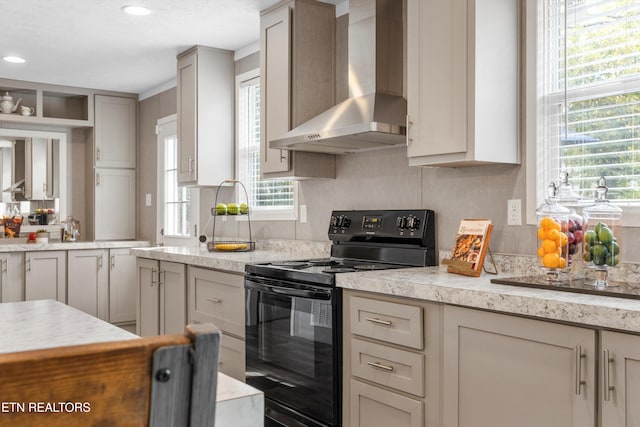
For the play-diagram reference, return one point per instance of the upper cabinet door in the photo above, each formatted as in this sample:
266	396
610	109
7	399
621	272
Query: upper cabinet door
462	82
206	144
275	89
187	118
297	82
115	132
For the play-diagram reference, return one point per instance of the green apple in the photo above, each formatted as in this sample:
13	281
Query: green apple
221	209
244	208
233	209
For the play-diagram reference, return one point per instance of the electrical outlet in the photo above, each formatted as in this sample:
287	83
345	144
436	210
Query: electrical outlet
514	212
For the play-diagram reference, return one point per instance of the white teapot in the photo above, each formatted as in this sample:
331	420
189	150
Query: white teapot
7	105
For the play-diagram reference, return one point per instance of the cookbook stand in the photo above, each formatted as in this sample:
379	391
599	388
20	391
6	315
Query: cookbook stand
230	245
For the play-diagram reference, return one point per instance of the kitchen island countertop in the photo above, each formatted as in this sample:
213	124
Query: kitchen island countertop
435	284
33	325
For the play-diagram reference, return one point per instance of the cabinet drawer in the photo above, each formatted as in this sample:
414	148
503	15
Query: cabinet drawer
372	406
387	321
392	367
232	357
218	298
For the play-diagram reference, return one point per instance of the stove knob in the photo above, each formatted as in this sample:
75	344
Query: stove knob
346	222
401	222
413	223
334	221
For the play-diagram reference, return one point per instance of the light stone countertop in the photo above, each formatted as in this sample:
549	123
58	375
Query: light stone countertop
22	246
33	325
435	284
277	250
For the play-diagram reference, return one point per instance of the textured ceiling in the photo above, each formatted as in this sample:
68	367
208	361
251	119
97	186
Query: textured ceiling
91	43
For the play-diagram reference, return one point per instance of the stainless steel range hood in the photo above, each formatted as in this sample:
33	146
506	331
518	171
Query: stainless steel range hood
374	116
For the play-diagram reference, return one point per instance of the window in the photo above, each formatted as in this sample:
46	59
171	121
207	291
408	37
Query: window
177	202
176	205
588	87
268	198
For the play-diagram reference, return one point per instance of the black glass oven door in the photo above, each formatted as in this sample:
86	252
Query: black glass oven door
291	345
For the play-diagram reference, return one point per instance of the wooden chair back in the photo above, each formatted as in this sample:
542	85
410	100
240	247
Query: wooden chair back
160	381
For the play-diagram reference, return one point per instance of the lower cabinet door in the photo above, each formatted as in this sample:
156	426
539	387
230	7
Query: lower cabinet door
88	282
620	379
501	370
375	407
46	275
148	299
122	286
232	354
173	298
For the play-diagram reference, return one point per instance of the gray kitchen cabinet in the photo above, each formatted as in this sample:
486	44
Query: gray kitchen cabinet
113	211
297	82
88	281
619	379
205	111
122	286
11	277
161	302
115	132
218	297
45	275
501	370
391	361
115	204
462	82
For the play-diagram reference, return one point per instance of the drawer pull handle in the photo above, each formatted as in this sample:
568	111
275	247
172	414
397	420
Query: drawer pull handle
608	388
579	355
216	300
378	321
380	366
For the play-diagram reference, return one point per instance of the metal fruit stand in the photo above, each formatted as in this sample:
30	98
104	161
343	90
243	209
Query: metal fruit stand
230	245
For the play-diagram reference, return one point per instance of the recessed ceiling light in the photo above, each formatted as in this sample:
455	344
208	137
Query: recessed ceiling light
14	59
136	10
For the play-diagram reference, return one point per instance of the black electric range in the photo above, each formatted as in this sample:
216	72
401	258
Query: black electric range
294	311
363	240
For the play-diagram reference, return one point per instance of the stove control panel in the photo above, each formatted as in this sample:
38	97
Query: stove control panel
400	226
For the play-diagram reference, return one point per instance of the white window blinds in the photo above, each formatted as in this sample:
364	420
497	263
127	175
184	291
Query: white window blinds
263	194
589	82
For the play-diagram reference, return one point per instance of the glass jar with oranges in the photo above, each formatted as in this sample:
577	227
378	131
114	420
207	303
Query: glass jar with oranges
553	242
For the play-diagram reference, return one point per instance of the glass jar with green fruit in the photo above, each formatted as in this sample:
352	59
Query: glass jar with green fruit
601	249
553	241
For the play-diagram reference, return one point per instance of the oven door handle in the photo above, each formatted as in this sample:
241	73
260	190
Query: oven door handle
293	292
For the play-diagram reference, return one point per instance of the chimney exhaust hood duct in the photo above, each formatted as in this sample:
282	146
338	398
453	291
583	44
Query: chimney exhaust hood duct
374	115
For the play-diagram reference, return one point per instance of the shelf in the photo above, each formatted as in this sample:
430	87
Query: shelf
51	107
65	106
